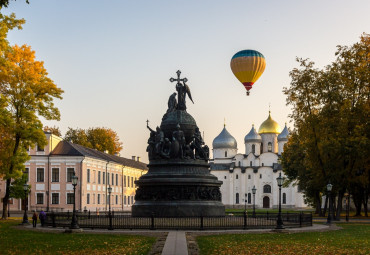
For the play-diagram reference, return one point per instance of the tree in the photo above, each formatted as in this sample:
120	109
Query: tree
54	130
330	113
5	3
101	139
27	92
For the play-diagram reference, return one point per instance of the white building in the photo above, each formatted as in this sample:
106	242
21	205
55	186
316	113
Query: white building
258	167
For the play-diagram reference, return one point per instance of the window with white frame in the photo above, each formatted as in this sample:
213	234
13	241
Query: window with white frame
124	200
88	198
39	198
70	198
99	173
112	179
55	198
103	177
27	172
98	199
55	174
40	174
116	199
117	179
70	173
88	175
269	146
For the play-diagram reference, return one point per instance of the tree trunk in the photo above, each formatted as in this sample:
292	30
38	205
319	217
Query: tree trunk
357	200
366	198
339	204
318	204
6	200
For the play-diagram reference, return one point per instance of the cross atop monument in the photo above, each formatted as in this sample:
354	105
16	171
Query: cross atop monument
178	78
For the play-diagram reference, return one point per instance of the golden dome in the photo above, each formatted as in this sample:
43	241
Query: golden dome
269	126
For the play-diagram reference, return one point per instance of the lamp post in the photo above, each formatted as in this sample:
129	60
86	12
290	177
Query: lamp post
346	195
25	217
74	224
329	188
245	202
254	200
279	222
110	214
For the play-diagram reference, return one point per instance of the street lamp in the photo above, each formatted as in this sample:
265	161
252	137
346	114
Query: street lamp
329	188
346	195
74	224
279	222
110	214
254	200
245	202
25	217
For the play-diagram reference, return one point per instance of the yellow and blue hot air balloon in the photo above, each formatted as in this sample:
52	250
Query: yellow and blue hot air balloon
248	66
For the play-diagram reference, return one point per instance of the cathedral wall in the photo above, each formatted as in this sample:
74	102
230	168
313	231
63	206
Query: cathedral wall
248	148
224	153
281	146
266	138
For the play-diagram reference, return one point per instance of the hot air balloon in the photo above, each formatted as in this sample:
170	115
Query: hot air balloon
248	66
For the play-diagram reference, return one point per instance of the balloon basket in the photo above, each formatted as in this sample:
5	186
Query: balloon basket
247	93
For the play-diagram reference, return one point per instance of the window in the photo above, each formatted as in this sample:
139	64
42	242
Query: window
55	198
40	174
55	174
124	181
132	200
40	148
249	198
225	154
128	200
26	172
124	200
40	198
250	163
103	177
128	181
132	182
284	198
116	199
237	198
249	176
88	175
108	199
108	178
88	198
237	176
269	146
253	148
116	179
99	177
225	177
98	199
263	164
93	199
260	176
267	189
70	173
70	198
113	179
94	176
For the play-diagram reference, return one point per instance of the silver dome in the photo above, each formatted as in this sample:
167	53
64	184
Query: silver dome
224	141
252	136
283	136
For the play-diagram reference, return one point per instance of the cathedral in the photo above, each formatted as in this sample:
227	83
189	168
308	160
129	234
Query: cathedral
257	168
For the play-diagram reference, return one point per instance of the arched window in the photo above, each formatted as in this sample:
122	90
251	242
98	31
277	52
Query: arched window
225	154
237	198
269	146
237	176
253	148
284	198
267	189
249	198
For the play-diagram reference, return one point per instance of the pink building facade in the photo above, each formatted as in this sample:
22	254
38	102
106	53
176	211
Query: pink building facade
50	172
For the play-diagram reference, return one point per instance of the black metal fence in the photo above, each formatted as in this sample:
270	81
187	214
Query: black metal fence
124	220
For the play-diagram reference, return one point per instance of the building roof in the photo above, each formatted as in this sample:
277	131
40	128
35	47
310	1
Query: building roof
65	148
269	126
252	136
224	141
284	134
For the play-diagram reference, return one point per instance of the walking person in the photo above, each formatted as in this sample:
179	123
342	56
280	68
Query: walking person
34	219
42	218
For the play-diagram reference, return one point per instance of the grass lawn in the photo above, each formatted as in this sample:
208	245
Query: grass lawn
17	241
352	239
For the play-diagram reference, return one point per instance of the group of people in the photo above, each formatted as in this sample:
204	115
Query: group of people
41	216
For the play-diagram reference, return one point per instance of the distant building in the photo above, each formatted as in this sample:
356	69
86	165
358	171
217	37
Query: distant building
50	170
258	167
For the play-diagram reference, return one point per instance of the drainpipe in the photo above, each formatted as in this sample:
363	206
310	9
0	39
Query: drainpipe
106	184
81	180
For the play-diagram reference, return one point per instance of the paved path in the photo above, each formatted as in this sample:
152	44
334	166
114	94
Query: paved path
175	244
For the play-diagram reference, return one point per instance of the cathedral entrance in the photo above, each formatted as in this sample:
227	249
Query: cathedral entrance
266	202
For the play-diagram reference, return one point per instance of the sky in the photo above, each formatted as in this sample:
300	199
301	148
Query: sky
113	59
